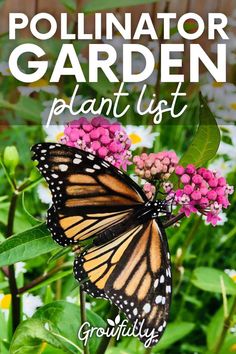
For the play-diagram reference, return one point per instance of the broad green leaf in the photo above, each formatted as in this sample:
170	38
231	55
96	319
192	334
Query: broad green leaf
30	337
209	279
216	327
63	318
206	141
174	332
99	5
26	245
69	4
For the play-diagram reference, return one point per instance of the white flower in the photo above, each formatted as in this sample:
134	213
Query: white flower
44	193
20	268
216	91
54	133
31	304
222	166
140	136
223	220
4	69
231	273
41	85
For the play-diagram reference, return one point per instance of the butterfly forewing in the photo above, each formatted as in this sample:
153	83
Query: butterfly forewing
89	194
133	271
128	260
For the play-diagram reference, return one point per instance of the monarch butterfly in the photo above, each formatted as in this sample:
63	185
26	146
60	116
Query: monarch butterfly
127	260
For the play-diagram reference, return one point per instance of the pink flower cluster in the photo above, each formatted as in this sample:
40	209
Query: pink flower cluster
201	190
155	166
101	137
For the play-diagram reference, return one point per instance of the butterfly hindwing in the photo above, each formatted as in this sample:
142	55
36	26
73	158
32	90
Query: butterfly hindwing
134	272
89	194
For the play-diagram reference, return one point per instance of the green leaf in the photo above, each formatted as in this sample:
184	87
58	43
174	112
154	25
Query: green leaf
64	319
69	4
174	332
209	279
206	141
26	245
99	5
29	337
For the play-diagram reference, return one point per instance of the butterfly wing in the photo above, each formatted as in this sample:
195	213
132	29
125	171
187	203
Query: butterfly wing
89	194
134	272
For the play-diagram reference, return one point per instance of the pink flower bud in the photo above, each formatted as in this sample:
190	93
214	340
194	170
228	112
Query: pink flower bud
179	170
87	128
188	189
74	136
185	179
204	190
207	175
94	134
213	182
196	195
204	202
221	182
212	195
102	152
190	169
197	179
95	145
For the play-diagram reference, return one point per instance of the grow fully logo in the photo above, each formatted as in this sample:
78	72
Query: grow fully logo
117	329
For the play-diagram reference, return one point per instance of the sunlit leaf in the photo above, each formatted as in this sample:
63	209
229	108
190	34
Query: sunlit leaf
209	279
26	245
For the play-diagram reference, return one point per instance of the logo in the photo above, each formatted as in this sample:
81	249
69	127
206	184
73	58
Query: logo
117	329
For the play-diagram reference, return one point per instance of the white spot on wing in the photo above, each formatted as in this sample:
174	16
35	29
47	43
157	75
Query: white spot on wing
77	161
63	168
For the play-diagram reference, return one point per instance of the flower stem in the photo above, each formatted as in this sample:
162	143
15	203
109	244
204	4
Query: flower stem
105	340
148	351
83	314
227	322
11	269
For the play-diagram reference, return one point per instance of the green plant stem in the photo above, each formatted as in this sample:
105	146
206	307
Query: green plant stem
227	322
105	340
188	242
38	280
83	314
148	351
11	269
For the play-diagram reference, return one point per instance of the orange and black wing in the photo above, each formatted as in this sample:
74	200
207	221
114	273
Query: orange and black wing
133	271
89	194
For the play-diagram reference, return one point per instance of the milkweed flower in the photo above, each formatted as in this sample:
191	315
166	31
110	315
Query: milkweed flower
157	166
201	190
101	137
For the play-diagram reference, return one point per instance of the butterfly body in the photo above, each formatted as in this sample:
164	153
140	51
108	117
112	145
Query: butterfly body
126	259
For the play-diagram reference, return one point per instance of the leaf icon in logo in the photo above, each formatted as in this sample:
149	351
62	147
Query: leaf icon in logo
111	323
117	319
